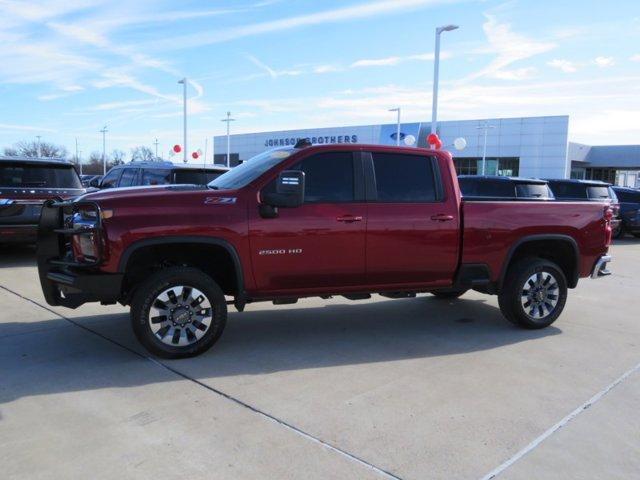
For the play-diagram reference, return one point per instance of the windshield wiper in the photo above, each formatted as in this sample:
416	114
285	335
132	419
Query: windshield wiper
213	187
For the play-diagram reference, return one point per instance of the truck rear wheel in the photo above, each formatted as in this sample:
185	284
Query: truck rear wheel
178	312
534	293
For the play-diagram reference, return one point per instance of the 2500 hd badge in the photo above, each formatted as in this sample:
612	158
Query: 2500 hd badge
281	251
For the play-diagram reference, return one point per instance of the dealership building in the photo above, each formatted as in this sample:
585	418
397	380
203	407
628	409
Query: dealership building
527	147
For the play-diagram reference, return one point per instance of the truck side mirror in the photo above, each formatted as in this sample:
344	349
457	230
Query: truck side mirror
289	190
95	182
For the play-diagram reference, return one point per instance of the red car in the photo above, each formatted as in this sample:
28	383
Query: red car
25	183
346	220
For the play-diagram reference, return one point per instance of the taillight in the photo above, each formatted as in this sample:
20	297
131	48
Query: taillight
608	215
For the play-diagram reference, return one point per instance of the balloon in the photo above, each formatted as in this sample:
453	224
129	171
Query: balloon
409	140
432	139
194	155
460	143
177	148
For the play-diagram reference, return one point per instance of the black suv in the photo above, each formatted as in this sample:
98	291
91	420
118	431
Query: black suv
25	183
629	199
157	173
566	190
479	187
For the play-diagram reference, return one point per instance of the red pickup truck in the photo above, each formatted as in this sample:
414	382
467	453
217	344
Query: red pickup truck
303	221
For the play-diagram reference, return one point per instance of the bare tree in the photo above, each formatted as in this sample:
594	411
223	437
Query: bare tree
142	153
10	151
30	148
94	164
117	157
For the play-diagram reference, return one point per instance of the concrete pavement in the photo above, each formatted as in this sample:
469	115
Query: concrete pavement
410	389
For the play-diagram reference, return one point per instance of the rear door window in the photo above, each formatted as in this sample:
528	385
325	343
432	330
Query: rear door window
404	178
156	176
197	177
128	178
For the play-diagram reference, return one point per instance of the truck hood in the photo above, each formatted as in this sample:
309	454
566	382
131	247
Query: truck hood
141	192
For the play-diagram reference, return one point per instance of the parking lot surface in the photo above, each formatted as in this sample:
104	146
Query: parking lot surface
410	389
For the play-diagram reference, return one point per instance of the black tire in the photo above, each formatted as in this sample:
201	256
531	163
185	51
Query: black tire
146	295
618	232
448	294
517	283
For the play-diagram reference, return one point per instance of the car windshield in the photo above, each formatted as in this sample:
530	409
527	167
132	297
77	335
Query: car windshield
28	175
532	190
248	171
598	192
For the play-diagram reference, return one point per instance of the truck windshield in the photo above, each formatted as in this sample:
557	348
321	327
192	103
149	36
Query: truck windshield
248	171
28	175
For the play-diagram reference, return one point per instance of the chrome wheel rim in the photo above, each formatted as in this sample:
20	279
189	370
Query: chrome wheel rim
540	295
180	316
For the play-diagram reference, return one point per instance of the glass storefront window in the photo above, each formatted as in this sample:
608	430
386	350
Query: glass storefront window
505	167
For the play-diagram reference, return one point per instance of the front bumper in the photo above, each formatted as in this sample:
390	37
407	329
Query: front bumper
64	281
600	267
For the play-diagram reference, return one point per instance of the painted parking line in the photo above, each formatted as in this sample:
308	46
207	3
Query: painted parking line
354	458
582	408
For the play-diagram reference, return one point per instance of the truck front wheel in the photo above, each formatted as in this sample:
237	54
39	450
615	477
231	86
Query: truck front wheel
534	293
178	312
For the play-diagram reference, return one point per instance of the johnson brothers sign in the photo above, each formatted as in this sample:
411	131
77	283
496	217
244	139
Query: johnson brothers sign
281	142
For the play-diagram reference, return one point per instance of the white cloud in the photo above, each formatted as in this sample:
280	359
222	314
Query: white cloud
635	58
604	62
509	47
565	65
395	60
272	72
363	10
326	68
23	128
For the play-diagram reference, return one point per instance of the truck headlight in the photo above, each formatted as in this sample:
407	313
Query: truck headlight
86	244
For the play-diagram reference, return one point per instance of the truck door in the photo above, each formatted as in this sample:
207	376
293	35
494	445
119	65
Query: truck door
412	230
320	244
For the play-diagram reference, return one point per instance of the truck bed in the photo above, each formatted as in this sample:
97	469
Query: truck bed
491	229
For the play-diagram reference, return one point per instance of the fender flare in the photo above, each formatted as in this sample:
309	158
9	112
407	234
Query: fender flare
235	258
533	238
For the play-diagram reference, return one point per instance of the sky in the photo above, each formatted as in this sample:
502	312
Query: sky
70	67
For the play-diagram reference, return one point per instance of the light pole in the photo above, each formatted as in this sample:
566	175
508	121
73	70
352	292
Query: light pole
436	68
397	109
77	157
184	108
104	150
228	120
156	144
486	128
80	161
38	152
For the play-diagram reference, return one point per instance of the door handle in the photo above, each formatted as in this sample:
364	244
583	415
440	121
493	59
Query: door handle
349	219
442	217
